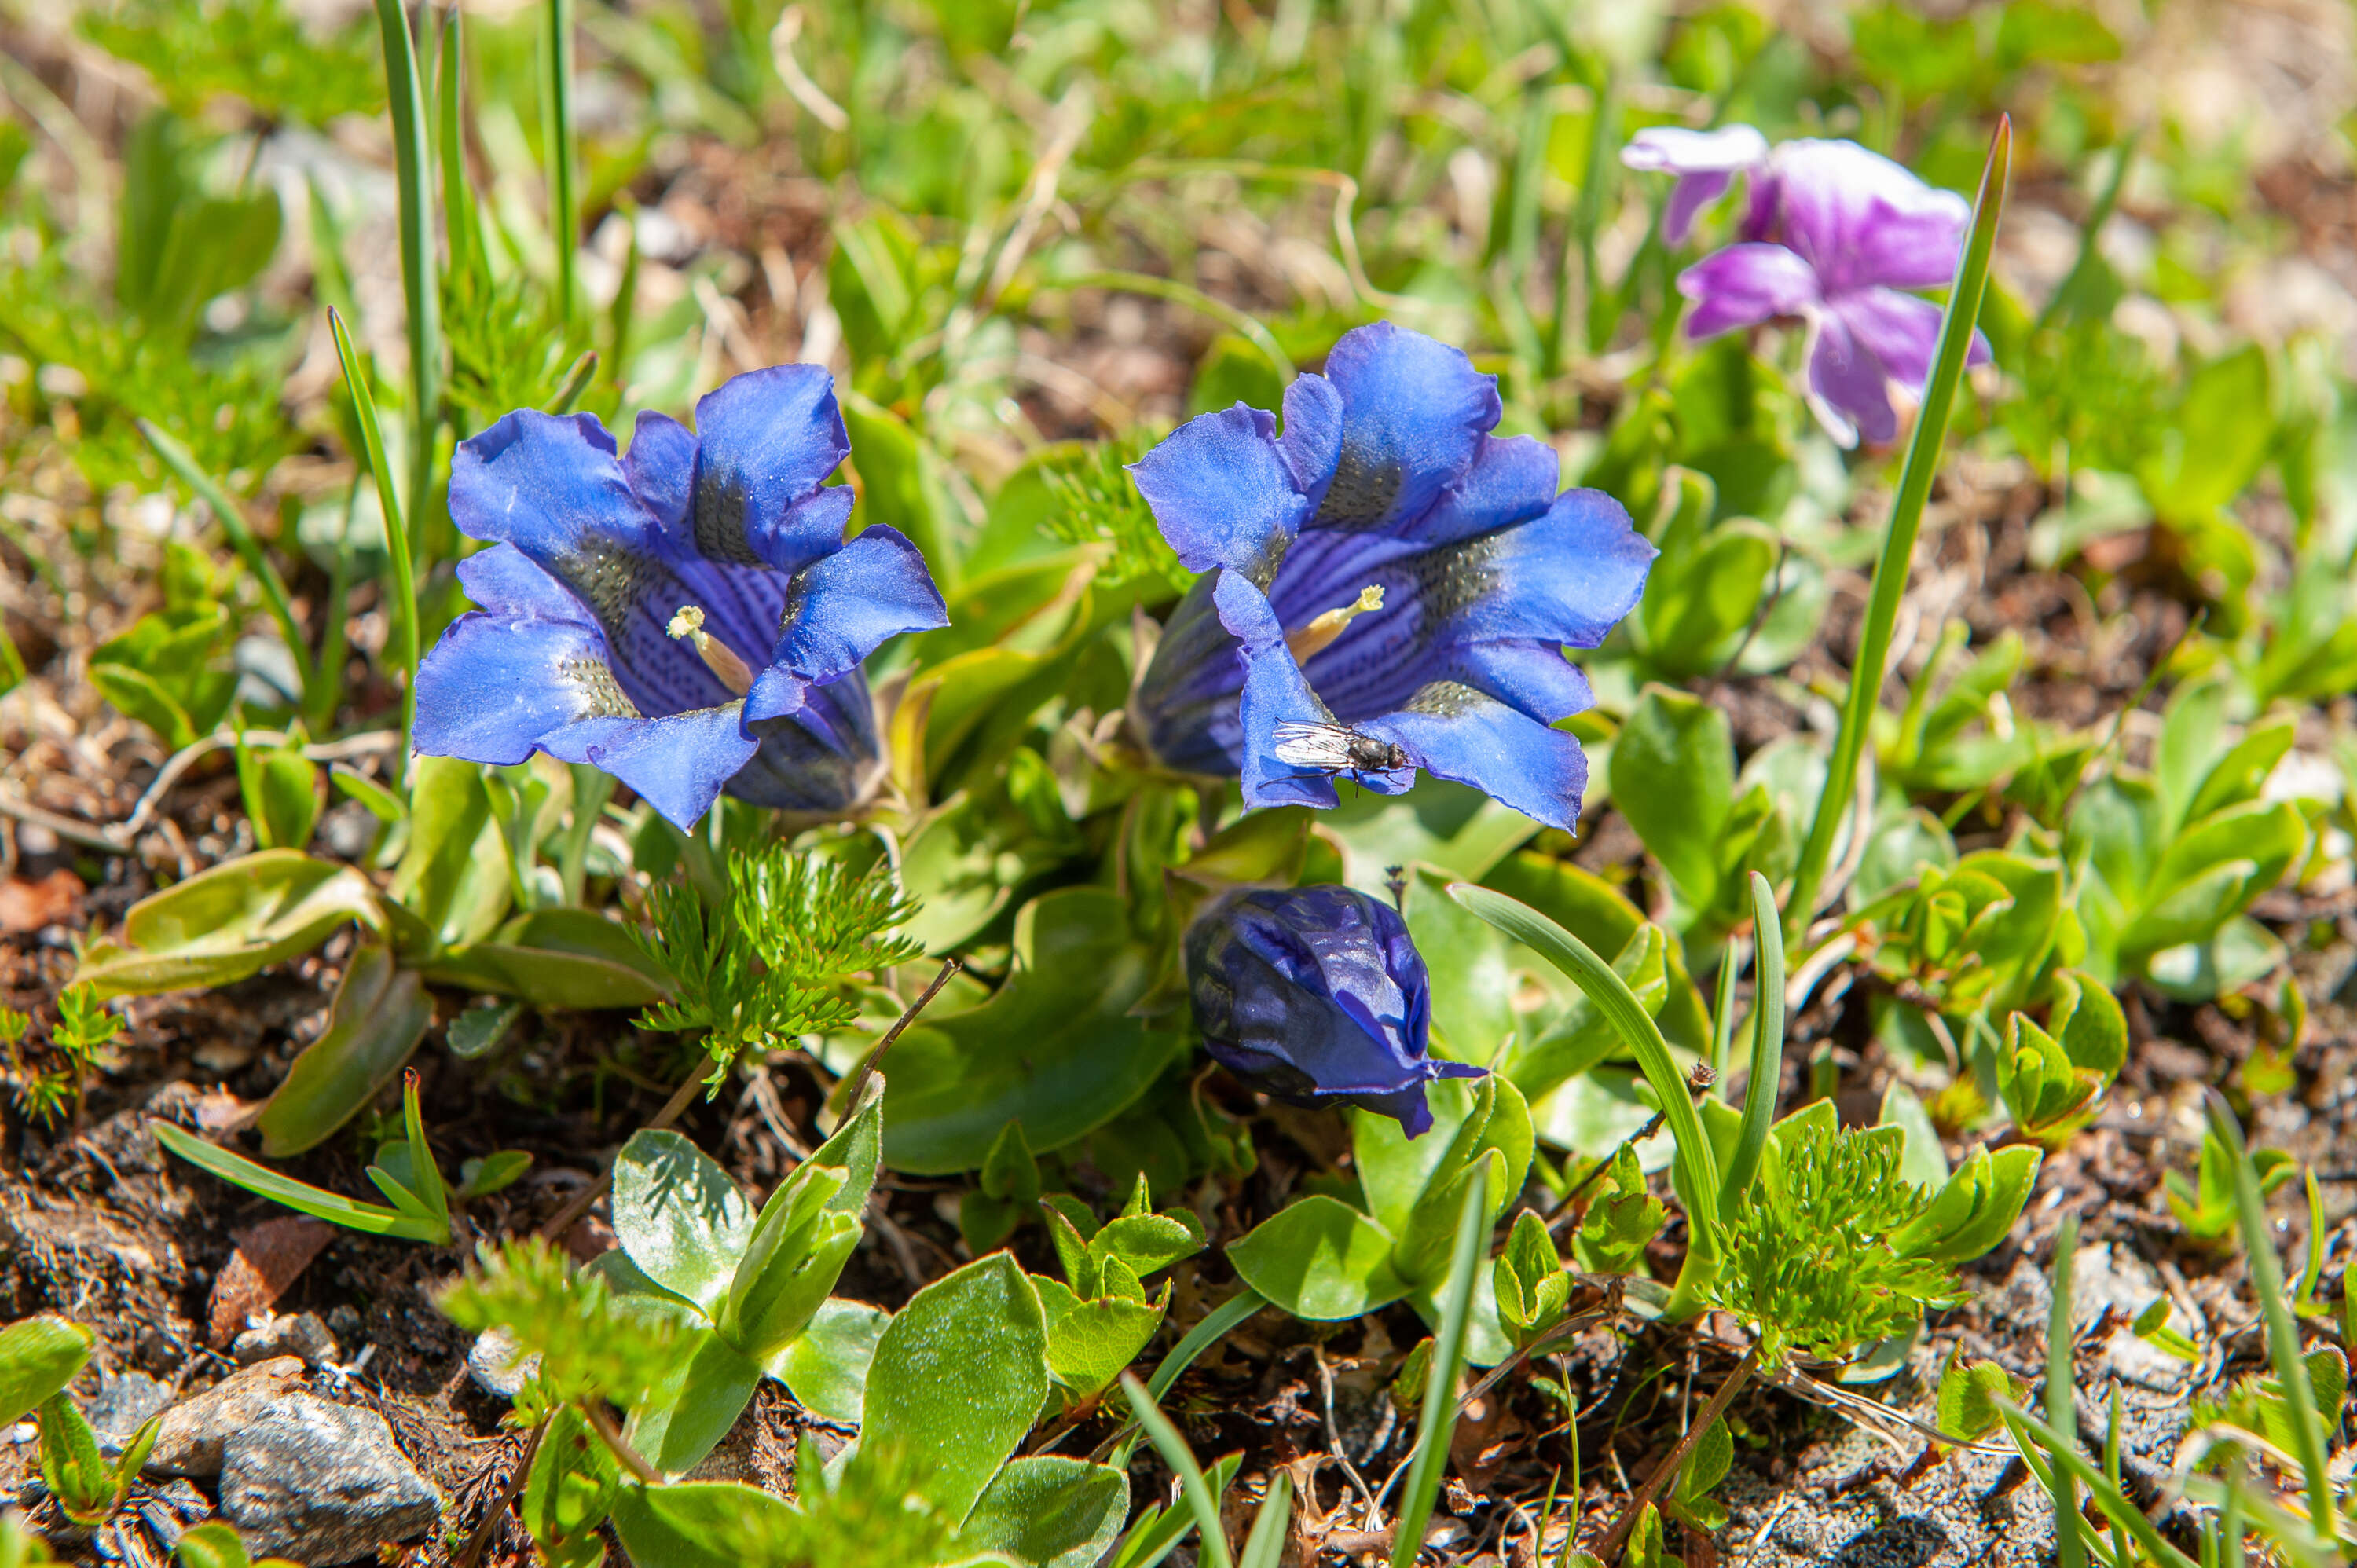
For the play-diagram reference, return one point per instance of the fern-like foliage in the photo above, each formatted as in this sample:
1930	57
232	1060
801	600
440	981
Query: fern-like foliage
590	1346
1097	503
1809	1266
779	959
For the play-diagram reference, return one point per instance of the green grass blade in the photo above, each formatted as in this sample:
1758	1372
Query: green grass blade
1227	1315
412	160
2283	1329
206	488
422	1169
1439	1417
1956	324
2029	1431
1767	1047
460	223
564	161
1181	1458
1697	1165
2070	1548
318	1202
396	534
1265	1545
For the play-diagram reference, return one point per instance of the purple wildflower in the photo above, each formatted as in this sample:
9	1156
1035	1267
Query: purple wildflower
1831	235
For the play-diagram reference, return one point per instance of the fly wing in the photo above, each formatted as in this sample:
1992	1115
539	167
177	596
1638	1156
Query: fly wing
1299	745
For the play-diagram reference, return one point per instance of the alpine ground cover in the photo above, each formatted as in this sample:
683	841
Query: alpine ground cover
1091	783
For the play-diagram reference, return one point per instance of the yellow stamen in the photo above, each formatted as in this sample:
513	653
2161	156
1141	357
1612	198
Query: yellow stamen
1320	634
688	625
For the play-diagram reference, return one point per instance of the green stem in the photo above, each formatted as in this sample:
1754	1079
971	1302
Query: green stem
421	286
564	197
396	535
1439	1419
1923	449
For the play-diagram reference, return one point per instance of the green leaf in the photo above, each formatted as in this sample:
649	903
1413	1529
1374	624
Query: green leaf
569	1491
38	1356
1048	1512
1054	1049
2217	439
281	789
1582	1035
705	1524
800	1242
1705	1465
479	1178
379	1015
1090	1342
233	1167
705	1386
439	879
826	1364
1437	1421
1471	965
227	922
212	1545
1320	1259
478	1031
1976	1210
679	1216
1673	777
958	1377
557	958
897	484
1971	1393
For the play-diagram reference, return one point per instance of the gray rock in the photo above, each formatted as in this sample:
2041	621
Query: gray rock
492	1363
323	1484
189	1443
302	1335
123	1406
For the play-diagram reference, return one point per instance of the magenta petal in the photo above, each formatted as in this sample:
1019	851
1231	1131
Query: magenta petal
1862	219
1743	285
1898	329
1673	149
1845	386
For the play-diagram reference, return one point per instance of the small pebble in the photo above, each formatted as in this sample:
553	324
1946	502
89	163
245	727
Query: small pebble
123	1406
193	1431
301	1335
323	1484
493	1365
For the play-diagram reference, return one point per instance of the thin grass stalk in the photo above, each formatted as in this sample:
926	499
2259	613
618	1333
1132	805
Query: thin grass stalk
2070	1548
400	568
2308	1430
563	194
413	158
1767	1049
1694	1163
208	490
1180	1459
1439	1419
1922	463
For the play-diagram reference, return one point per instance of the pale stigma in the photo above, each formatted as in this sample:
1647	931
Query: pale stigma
688	626
1320	634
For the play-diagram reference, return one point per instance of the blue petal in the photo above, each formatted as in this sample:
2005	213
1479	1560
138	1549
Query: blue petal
765	442
1414	413
1185	704
1274	692
1454	732
1507	482
660	468
549	485
1568	577
1223	493
841	609
677	764
504	581
495	686
822	758
1312	442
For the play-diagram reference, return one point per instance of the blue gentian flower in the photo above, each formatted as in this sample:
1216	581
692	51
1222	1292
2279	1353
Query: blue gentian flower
1316	997
686	616
1390	588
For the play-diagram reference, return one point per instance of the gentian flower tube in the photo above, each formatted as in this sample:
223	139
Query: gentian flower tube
1831	236
1316	997
1390	588
688	616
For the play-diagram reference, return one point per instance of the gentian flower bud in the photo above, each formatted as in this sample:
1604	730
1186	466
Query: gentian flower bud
1316	997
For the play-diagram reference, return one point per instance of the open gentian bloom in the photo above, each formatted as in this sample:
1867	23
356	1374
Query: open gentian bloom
1317	996
688	617
1831	234
1400	586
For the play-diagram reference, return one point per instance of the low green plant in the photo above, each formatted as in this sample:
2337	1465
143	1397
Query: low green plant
404	1171
1103	1316
2204	1205
2052	1079
770	959
88	1485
